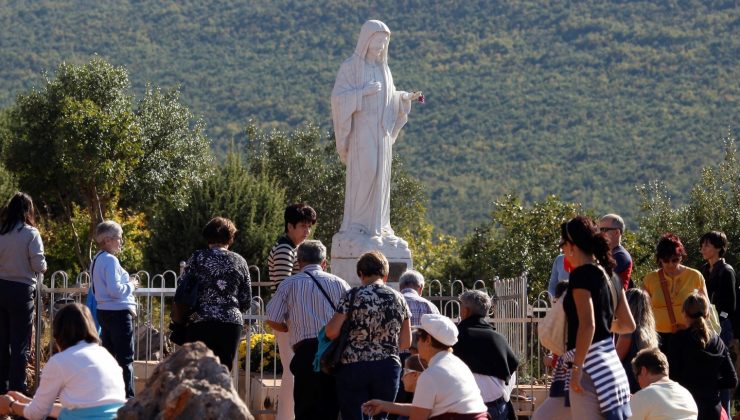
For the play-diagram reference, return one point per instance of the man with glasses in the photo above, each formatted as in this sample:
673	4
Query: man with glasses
612	226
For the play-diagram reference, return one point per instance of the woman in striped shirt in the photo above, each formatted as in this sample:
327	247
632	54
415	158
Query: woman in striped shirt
595	309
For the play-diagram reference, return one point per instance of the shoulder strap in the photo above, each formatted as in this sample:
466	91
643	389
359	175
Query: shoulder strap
353	295
613	292
323	292
92	271
667	296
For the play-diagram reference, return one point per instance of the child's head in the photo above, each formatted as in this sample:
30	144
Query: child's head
413	367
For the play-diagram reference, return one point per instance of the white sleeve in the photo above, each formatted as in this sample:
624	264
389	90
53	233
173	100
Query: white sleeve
639	405
52	381
425	393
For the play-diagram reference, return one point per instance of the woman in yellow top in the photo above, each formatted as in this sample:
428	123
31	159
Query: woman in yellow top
680	281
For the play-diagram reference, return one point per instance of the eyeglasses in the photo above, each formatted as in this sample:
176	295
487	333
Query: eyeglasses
117	238
607	229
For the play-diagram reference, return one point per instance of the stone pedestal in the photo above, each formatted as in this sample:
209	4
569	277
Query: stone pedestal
346	249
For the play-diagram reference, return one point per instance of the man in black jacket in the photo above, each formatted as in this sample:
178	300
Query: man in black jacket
721	288
487	354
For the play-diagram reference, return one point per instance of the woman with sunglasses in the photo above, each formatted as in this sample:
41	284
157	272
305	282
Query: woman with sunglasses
595	307
672	282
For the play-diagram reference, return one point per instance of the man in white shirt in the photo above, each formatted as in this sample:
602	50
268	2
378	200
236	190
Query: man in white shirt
660	398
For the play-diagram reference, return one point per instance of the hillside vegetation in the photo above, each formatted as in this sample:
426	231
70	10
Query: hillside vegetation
582	99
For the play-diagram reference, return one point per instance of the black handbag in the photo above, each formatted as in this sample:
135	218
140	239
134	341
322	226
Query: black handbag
332	356
186	298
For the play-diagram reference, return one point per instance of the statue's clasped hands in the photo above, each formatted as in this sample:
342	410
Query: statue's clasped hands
371	88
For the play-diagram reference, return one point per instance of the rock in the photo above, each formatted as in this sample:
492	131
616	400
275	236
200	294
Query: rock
190	384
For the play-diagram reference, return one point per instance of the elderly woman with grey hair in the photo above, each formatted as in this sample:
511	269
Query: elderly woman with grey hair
114	293
487	354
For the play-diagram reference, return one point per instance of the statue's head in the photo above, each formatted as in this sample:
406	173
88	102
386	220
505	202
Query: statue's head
373	41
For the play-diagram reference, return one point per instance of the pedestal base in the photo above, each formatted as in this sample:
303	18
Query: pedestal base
346	249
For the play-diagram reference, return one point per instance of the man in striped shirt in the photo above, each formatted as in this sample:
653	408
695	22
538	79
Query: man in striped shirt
302	304
411	284
281	263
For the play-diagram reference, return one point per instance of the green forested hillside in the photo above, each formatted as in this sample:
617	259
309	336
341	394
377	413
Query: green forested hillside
581	99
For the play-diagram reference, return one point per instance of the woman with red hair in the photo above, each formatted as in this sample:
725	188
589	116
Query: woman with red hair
669	286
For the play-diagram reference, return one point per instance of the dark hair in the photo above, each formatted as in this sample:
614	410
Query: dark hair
372	263
74	323
434	342
582	232
297	213
696	308
219	230
717	239
652	359
415	362
560	288
669	245
18	210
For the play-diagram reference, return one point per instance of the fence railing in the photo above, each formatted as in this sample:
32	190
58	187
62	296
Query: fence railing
512	315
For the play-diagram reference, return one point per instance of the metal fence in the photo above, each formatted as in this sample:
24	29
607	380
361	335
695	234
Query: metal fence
512	315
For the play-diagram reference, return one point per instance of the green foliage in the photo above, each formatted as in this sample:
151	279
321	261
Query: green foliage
518	239
175	151
305	163
714	204
79	142
253	203
59	234
581	99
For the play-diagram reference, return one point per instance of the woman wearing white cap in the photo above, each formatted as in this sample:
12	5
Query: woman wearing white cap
446	389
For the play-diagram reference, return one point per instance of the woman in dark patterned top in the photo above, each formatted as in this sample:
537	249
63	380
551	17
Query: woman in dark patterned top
223	291
380	326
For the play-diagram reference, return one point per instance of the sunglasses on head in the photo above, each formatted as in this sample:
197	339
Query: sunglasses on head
406	371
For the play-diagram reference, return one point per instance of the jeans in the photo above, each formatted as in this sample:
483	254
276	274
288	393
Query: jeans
118	339
314	393
16	321
362	381
498	410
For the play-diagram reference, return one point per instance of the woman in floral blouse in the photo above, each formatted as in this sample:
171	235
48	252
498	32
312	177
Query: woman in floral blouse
223	291
380	326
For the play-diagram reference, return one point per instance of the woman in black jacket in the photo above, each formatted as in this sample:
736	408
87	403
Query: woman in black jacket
699	360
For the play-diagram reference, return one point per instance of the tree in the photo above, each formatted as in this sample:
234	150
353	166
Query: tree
713	204
253	203
518	239
79	141
305	163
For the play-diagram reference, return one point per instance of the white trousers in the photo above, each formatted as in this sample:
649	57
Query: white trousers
285	409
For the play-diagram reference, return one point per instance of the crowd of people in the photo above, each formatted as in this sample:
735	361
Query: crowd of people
660	351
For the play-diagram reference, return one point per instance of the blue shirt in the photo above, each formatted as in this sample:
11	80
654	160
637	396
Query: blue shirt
557	274
113	292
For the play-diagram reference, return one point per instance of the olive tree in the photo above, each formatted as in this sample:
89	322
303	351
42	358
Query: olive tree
80	140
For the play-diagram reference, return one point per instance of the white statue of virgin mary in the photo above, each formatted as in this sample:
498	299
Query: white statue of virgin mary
368	113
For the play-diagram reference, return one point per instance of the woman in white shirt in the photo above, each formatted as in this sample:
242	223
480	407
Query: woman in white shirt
447	388
83	375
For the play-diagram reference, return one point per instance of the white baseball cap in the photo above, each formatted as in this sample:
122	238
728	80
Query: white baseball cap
440	327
